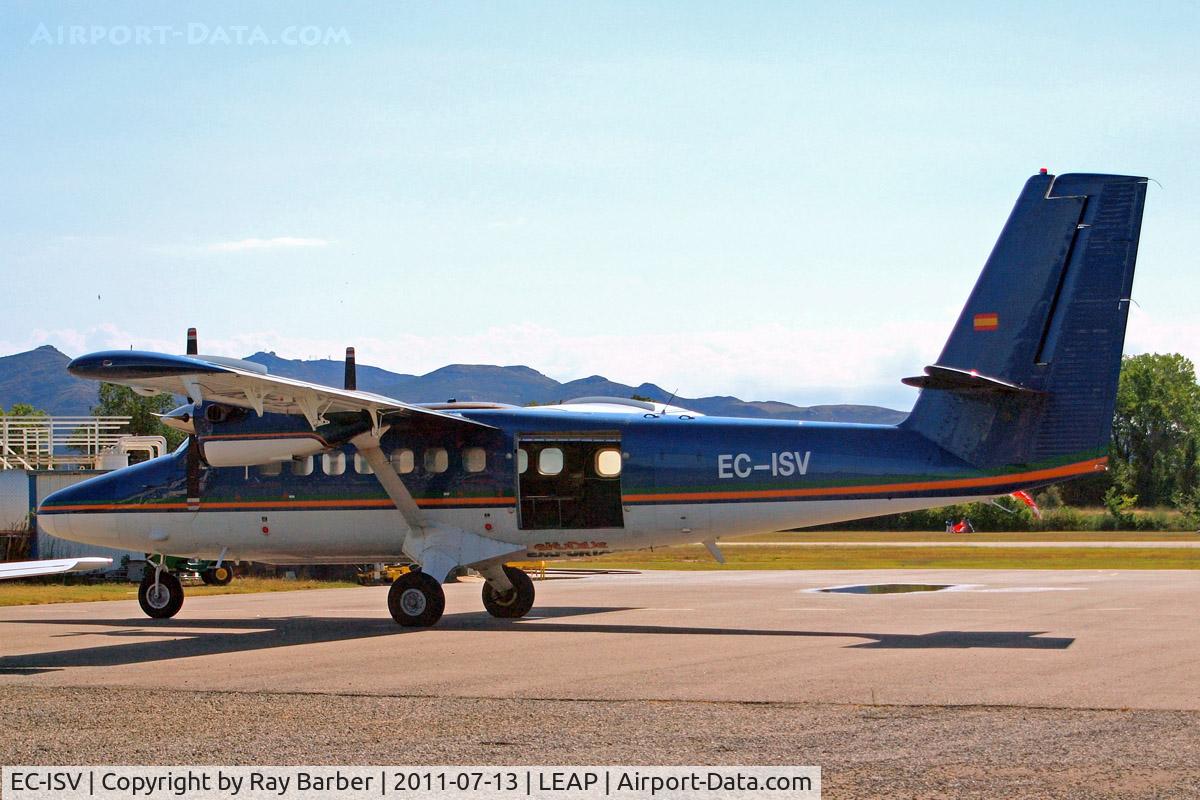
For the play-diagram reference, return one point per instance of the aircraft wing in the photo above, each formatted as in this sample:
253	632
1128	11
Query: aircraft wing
240	383
31	569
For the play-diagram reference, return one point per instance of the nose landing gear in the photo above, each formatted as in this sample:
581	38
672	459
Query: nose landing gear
160	594
514	603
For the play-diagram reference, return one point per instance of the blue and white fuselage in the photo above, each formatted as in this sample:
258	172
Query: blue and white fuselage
284	471
680	478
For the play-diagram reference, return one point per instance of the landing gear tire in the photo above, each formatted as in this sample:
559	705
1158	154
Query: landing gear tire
161	601
217	576
512	604
416	600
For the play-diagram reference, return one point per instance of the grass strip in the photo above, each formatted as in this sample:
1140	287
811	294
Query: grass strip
22	593
695	557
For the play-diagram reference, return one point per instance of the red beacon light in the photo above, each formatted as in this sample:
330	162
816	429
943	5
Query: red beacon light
1043	171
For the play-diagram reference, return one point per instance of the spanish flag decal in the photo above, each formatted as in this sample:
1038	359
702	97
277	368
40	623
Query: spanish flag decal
987	322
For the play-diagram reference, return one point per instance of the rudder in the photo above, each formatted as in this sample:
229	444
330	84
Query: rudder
1029	373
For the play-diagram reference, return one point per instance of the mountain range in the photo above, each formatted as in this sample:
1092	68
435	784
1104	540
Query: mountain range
39	377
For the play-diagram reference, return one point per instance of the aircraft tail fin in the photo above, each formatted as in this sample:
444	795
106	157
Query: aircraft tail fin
1029	373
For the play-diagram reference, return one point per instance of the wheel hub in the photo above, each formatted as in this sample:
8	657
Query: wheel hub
158	596
413	602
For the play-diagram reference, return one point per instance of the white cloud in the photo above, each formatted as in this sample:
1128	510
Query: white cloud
1149	334
266	244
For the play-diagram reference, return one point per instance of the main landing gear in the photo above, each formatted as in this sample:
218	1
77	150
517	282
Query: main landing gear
514	603
161	594
416	600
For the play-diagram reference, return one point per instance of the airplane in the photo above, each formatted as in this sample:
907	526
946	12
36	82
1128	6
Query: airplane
285	471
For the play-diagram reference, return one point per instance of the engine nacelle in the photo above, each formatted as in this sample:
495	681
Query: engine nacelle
231	436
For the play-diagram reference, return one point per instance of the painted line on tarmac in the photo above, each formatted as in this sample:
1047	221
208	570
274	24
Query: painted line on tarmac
1101	545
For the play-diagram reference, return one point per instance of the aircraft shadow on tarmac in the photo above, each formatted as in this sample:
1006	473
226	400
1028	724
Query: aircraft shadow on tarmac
141	640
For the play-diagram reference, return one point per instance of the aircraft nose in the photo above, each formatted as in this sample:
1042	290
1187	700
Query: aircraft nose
55	524
77	513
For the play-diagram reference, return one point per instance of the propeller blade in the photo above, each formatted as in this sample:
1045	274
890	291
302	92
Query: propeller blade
193	474
351	371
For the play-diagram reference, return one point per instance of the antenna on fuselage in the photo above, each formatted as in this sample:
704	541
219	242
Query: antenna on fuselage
351	371
192	347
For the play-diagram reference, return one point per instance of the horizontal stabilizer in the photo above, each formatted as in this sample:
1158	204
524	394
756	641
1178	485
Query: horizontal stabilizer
952	379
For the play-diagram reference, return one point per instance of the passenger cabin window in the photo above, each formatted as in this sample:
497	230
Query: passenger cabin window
608	463
437	459
270	469
302	466
522	461
474	459
402	461
361	466
333	463
550	461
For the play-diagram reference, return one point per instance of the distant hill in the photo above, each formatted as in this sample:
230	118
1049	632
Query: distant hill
521	385
39	377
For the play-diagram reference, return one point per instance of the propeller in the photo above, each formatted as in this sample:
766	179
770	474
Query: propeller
351	370
193	474
181	419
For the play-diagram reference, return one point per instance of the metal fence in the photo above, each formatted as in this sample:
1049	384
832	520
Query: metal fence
49	443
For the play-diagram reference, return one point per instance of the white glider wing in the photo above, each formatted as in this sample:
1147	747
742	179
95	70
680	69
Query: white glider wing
31	569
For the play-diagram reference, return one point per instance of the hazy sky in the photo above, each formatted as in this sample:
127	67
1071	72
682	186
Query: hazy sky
774	200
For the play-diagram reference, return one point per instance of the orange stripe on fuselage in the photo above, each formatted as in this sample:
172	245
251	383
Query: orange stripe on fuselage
1079	468
285	504
1066	471
236	436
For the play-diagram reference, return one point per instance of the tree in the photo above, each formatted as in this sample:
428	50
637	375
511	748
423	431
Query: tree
17	445
1156	423
22	410
121	401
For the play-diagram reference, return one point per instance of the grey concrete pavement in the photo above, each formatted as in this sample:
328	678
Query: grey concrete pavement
967	542
1060	639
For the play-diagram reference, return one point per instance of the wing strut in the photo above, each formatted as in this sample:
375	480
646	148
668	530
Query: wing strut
437	549
368	447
